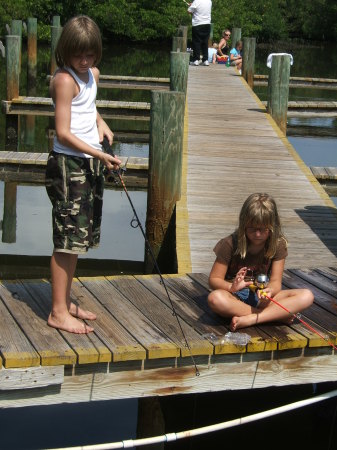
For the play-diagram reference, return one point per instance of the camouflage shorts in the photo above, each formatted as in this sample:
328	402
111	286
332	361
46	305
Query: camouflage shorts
75	187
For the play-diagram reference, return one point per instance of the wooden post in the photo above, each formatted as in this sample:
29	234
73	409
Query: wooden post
177	43
55	34
179	71
236	36
16	30
151	421
183	32
56	21
12	81
31	76
9	213
164	177
248	60
278	90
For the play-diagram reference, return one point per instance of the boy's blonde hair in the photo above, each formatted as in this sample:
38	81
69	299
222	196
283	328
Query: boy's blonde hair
215	45
79	35
260	210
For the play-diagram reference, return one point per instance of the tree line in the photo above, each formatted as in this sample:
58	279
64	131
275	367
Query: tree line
157	20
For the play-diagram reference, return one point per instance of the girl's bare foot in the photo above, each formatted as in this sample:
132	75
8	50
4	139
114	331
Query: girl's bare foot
80	313
238	322
69	323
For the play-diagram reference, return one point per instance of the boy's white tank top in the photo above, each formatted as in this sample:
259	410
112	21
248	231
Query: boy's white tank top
83	116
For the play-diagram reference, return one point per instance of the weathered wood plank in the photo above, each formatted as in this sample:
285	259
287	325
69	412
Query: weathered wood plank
15	348
51	347
30	378
88	348
156	343
121	344
162	316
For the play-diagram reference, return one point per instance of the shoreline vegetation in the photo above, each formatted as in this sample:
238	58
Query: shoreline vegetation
147	21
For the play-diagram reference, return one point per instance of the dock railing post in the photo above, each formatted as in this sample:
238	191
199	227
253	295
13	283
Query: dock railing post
16	30
31	76
12	89
248	60
278	90
236	36
9	213
177	44
183	32
179	71
164	177
55	34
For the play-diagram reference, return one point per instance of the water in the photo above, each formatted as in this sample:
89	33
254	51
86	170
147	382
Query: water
98	422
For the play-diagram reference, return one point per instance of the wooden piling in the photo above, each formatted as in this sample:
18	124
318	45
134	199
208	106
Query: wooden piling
164	178
236	36
12	89
179	71
183	32
9	213
177	43
55	34
248	60
31	76
278	90
56	21
16	30
210	37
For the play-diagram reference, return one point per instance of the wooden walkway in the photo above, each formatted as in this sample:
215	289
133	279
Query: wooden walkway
138	349
232	149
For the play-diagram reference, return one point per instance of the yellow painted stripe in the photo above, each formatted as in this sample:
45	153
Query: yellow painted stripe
182	224
128	353
163	351
20	359
257	344
52	358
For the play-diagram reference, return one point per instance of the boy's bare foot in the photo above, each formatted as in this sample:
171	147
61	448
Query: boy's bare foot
238	322
80	313
70	324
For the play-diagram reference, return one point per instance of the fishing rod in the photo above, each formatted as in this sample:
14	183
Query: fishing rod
261	282
108	149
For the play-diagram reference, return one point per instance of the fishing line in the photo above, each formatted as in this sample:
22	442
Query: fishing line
108	149
298	317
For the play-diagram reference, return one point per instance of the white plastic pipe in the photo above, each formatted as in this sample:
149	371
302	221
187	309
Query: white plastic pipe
203	430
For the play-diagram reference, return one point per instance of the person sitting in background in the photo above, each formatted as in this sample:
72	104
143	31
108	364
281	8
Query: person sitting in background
223	48
235	57
212	52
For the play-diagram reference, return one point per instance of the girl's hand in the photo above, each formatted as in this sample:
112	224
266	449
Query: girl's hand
261	293
239	281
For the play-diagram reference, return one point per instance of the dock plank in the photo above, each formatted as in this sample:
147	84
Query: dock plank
51	347
15	349
88	348
156	343
120	343
162	316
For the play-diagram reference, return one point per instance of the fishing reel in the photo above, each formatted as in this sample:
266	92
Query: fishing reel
260	282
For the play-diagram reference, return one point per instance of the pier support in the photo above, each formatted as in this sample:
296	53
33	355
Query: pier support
9	213
236	36
248	60
164	185
182	32
278	90
12	91
177	44
179	71
31	76
55	34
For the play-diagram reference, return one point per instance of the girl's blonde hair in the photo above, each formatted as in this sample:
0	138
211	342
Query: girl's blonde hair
79	35
260	210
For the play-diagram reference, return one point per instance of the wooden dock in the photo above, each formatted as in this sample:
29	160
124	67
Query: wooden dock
137	348
232	149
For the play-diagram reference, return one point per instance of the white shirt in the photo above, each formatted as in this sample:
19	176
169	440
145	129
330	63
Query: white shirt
201	12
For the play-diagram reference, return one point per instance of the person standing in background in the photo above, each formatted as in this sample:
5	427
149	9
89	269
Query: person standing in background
201	27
